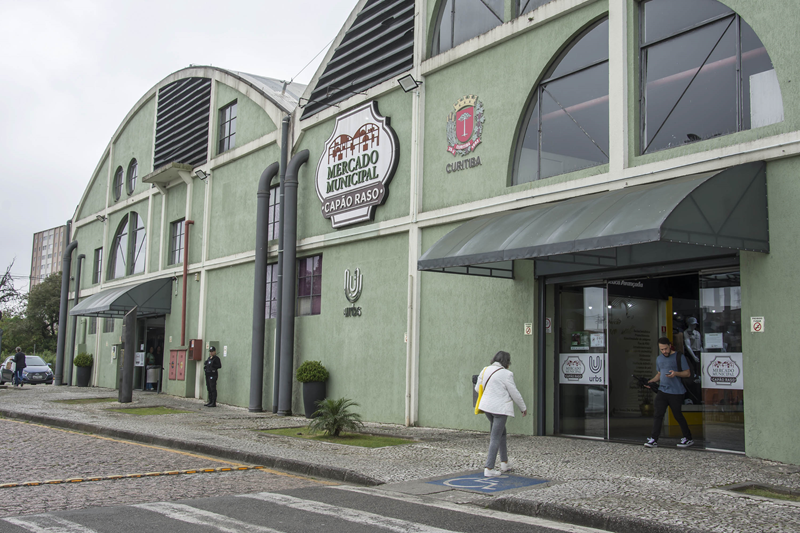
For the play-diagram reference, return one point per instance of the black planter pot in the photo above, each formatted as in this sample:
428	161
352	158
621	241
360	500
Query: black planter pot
313	391
83	375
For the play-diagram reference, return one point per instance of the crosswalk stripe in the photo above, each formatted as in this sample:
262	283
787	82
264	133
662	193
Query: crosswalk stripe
48	524
192	515
472	510
351	515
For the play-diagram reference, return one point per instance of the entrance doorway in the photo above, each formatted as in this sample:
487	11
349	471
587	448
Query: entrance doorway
608	338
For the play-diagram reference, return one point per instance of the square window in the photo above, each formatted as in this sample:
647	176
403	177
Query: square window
272	291
98	265
93	325
108	325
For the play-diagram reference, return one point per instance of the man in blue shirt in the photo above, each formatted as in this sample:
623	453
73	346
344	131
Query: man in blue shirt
670	392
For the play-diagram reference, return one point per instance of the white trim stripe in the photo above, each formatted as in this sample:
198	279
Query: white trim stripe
48	524
192	515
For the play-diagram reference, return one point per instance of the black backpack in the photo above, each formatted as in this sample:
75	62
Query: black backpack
688	383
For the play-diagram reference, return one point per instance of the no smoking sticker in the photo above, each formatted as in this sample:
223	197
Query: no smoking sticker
756	324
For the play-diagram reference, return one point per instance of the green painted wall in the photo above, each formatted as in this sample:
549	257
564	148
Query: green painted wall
769	289
229	320
96	195
465	321
366	355
175	208
154	239
136	141
234	202
252	121
519	63
89	237
395	105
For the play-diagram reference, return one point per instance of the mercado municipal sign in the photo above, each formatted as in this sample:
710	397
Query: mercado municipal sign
355	168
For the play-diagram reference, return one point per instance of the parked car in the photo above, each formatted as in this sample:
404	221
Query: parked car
36	371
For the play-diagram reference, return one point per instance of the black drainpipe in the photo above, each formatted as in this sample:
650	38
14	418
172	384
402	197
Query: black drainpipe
260	290
287	305
71	353
541	369
66	263
279	296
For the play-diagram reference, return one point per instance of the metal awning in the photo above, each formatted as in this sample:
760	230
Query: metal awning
693	217
152	298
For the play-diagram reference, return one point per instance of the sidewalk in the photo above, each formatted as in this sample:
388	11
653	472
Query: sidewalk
618	487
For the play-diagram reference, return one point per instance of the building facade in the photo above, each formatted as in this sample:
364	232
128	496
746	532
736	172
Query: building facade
565	180
48	248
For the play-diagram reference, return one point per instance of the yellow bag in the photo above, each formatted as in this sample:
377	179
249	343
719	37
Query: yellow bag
480	391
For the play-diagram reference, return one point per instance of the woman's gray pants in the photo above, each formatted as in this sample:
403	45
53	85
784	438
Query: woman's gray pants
497	442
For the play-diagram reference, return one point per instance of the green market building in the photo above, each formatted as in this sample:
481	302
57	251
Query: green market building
565	180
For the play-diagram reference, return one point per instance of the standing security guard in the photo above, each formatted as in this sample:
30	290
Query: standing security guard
211	366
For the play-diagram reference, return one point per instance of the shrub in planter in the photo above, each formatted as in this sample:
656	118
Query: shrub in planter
83	362
313	377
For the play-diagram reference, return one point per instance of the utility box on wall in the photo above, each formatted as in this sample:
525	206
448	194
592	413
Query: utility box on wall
195	350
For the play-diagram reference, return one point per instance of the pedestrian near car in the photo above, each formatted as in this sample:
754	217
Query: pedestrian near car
19	364
670	392
497	402
211	367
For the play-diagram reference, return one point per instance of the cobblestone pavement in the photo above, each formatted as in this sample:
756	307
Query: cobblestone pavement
615	486
39	453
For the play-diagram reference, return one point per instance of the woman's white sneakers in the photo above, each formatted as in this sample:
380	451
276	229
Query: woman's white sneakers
491	472
504	467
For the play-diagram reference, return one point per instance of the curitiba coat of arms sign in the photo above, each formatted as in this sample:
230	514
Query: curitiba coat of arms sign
465	125
359	160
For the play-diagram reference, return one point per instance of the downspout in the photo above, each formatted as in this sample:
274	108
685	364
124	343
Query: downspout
185	274
287	305
66	263
541	366
279	297
260	290
71	354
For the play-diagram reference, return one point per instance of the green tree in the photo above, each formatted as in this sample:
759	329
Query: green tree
44	305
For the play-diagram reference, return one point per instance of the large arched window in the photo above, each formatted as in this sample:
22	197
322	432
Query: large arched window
705	73
461	20
128	247
565	127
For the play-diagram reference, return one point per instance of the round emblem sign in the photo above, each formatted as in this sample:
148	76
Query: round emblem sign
465	125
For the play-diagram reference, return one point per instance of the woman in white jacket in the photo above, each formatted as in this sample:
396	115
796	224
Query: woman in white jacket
499	396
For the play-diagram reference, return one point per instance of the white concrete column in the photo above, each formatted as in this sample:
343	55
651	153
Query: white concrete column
617	86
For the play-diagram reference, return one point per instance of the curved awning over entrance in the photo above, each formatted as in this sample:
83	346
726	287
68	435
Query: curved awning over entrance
687	218
152	298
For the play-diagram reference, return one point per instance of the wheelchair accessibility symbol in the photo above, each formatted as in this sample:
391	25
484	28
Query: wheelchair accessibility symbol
487	485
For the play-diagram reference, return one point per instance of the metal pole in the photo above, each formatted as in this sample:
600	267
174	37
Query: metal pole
279	297
541	366
287	308
260	291
70	355
129	339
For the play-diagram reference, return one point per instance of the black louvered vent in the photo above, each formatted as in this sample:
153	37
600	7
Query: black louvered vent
379	45
182	122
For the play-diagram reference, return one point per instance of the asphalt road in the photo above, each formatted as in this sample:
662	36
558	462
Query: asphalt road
77	488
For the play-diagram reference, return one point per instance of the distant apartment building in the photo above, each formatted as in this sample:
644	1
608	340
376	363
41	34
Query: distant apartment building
48	247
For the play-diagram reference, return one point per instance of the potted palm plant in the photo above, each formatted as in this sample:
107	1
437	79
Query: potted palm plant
83	362
313	377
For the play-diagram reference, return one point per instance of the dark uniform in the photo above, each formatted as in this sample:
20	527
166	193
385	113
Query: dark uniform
211	367
19	361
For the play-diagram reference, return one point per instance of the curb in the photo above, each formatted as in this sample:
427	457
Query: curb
584	517
290	465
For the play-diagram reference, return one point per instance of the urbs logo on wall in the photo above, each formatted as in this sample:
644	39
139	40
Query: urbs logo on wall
465	125
359	160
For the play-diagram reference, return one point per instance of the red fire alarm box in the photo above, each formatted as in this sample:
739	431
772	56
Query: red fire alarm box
173	363
196	350
181	370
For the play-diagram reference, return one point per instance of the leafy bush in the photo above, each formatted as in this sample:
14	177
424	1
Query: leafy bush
311	371
83	359
333	416
48	356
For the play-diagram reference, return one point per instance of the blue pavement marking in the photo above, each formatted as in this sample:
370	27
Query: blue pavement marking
487	485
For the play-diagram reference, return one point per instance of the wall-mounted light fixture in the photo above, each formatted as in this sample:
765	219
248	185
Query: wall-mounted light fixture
201	174
101	218
408	83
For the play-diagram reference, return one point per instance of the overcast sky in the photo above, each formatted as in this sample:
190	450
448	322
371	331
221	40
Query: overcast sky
70	71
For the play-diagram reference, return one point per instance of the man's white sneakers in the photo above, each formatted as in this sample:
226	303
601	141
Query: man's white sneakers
505	467
491	472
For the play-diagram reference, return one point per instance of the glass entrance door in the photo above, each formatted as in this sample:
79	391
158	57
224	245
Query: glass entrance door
583	361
